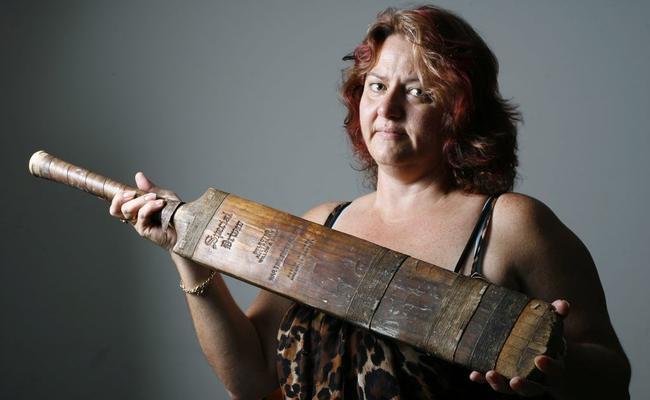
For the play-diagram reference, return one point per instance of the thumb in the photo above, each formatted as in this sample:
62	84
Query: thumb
144	183
562	307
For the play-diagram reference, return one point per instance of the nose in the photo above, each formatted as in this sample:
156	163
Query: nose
391	106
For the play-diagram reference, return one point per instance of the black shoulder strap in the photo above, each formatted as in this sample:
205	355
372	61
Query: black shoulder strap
335	214
479	253
476	238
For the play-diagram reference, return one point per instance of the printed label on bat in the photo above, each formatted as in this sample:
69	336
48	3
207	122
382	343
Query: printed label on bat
212	239
276	250
264	244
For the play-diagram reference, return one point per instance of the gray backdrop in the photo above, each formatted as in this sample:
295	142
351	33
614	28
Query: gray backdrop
243	97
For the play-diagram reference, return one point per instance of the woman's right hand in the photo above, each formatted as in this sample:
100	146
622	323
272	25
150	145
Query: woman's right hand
140	210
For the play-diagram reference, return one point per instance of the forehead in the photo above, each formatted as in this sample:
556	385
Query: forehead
395	56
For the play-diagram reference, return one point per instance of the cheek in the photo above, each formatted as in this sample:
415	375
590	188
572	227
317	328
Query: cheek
365	116
430	123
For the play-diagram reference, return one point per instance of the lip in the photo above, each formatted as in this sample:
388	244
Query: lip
389	133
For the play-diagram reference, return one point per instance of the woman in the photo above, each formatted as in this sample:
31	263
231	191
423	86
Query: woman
426	120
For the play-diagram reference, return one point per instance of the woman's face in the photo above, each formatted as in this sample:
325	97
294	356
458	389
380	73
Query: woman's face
399	122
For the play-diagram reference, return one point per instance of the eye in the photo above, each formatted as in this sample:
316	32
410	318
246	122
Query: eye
376	87
416	92
421	95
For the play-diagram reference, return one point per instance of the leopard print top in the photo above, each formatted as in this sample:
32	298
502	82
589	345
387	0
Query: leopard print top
322	357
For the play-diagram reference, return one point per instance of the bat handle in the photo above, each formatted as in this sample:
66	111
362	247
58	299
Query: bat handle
46	166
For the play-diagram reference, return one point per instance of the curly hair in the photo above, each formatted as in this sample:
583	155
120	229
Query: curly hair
459	72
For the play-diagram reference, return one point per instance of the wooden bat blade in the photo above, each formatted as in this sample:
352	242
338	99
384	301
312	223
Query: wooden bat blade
460	319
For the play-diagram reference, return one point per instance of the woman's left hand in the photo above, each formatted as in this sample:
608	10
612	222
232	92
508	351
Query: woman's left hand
554	370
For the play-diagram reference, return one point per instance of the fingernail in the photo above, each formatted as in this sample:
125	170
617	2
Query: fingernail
159	202
129	193
150	196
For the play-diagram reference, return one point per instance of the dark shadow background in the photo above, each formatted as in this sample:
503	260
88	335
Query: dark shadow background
242	96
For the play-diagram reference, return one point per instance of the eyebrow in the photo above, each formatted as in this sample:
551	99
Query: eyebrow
412	78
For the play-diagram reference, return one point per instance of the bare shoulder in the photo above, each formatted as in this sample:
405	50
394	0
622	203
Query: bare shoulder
552	263
536	248
529	228
318	214
547	257
518	212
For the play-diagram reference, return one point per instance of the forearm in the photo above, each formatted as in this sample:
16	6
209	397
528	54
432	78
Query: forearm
594	371
226	335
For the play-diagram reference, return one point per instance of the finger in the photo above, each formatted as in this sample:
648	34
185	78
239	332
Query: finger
498	382
561	307
131	207
477	377
116	203
525	387
145	212
550	366
144	183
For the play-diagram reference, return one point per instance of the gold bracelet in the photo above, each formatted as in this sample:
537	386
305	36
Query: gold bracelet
199	290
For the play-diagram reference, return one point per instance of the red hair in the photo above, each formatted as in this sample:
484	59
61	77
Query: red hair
459	72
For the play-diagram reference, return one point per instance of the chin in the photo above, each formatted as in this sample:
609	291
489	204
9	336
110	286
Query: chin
402	159
392	156
392	160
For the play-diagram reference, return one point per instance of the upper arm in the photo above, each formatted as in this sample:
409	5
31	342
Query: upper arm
549	262
267	309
